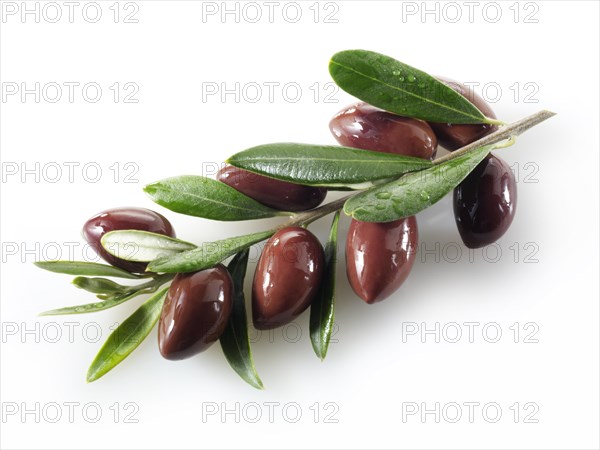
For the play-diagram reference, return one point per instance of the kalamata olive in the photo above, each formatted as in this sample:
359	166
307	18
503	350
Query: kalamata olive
287	277
485	202
195	312
379	256
455	136
274	193
124	219
364	126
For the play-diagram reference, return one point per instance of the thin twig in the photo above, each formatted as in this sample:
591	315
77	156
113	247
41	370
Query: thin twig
511	130
310	216
507	132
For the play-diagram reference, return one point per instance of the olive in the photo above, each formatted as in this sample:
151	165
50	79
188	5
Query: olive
287	277
195	312
364	126
379	256
274	193
455	136
124	219
485	202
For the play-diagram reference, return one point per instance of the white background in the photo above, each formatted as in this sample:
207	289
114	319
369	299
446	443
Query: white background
376	369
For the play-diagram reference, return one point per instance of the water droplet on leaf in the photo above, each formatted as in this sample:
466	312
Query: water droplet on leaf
398	208
383	195
411	79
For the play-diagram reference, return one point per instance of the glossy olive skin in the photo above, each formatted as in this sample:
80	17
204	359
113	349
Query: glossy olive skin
485	202
364	126
287	277
379	256
195	312
274	193
455	136
124	219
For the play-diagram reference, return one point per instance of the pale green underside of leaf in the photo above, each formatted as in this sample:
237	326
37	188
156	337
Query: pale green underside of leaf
127	337
210	254
142	246
234	340
324	165
399	88
413	192
204	197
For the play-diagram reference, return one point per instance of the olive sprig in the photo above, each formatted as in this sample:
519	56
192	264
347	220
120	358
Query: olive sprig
109	300
388	187
91	277
396	195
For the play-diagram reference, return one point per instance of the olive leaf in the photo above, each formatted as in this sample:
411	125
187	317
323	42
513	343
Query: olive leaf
204	197
208	255
111	300
91	307
142	246
126	338
325	165
234	340
401	89
414	192
322	309
86	268
100	286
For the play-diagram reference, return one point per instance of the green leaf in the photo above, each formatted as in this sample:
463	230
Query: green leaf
90	307
322	309
127	336
96	306
208	255
142	246
234	340
203	197
86	268
325	165
100	286
413	192
113	300
401	89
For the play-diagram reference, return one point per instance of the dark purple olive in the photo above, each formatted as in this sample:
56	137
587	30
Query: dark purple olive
364	126
274	193
455	136
379	256
195	312
485	202
124	219
287	277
